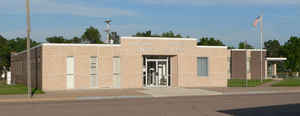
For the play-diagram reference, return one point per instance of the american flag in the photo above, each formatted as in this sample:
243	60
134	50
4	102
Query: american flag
258	19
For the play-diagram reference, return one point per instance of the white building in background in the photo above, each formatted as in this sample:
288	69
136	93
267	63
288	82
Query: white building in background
8	78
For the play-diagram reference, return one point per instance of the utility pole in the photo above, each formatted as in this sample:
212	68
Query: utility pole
245	45
28	50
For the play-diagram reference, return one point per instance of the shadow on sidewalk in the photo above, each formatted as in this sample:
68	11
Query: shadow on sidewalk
280	110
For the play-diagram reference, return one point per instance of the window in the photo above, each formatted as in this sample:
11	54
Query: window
93	71
202	66
93	65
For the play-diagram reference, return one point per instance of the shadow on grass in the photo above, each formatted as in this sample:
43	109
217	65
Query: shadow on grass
279	110
36	91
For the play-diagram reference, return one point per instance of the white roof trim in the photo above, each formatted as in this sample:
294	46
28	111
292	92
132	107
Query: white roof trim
158	38
276	59
93	45
248	50
224	47
57	44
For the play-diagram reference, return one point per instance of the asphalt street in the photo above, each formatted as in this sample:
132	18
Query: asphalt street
228	105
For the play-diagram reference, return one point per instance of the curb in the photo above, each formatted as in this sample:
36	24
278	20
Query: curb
259	92
26	100
87	98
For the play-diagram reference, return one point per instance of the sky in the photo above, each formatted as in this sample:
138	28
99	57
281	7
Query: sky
227	20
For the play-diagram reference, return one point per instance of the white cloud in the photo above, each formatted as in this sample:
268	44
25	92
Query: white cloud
54	7
221	2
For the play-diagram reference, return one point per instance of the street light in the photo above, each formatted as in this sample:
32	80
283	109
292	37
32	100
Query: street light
28	50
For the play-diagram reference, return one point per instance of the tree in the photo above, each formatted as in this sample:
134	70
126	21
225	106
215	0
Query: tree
210	42
148	33
76	40
19	44
8	46
144	34
92	36
61	39
291	50
170	34
243	46
57	39
231	47
273	48
4	55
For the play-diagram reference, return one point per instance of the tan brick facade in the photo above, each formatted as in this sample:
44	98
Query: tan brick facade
183	62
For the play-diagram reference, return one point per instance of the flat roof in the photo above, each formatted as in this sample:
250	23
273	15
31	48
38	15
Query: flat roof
74	44
276	59
69	44
248	50
117	45
159	38
224	47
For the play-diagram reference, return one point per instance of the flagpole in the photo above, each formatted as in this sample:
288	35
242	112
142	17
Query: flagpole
261	49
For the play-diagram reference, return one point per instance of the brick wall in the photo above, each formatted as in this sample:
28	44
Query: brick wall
255	64
19	68
238	64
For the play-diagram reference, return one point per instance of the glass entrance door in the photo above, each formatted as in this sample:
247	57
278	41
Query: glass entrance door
162	73
157	73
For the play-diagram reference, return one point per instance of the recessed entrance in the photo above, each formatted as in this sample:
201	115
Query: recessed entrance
156	71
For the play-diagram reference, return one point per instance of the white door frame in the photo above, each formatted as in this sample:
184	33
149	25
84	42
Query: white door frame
156	63
116	72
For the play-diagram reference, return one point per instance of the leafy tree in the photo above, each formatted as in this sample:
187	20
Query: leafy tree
170	34
61	39
92	35
164	34
76	40
8	46
4	54
210	42
57	39
19	44
243	46
231	47
273	48
291	50
144	34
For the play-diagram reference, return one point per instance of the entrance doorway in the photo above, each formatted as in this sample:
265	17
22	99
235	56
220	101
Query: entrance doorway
157	71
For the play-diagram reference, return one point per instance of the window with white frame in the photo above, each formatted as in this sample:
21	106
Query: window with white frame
202	66
93	71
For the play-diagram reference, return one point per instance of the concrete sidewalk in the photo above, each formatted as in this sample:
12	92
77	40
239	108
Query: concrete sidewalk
74	95
249	89
175	92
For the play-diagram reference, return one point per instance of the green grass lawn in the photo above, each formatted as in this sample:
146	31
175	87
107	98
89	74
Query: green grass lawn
290	82
242	83
16	89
